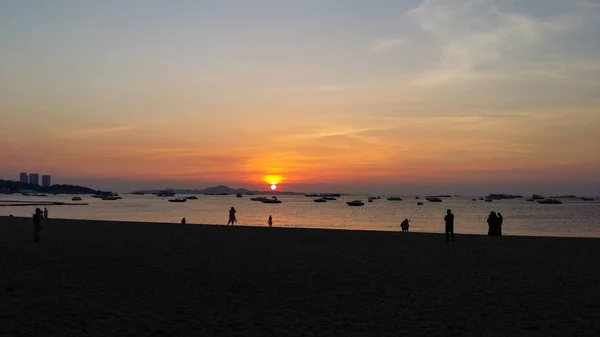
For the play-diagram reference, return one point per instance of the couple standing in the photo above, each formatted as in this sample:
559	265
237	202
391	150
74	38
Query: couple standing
495	224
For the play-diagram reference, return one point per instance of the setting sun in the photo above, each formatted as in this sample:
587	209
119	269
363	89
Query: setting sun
273	187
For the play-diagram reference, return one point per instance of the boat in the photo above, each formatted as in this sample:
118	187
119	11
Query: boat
394	199
433	199
355	203
178	200
273	200
503	196
109	197
239	195
40	195
329	198
474	199
586	199
192	197
76	199
259	198
137	193
371	199
537	197
480	198
417	198
420	203
550	202
320	200
488	200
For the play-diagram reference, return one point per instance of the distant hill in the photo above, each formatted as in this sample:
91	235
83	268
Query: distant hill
217	190
10	186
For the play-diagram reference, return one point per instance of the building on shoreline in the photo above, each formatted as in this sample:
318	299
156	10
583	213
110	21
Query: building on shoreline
46	181
34	178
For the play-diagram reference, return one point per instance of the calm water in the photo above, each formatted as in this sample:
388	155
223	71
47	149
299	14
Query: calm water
572	218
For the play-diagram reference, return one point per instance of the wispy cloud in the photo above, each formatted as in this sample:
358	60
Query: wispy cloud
476	40
95	132
384	45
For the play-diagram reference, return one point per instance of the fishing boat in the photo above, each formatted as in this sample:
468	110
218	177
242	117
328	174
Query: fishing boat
273	200
433	199
239	195
320	200
178	200
259	198
355	203
586	199
488	200
420	203
550	202
76	199
109	197
192	197
394	199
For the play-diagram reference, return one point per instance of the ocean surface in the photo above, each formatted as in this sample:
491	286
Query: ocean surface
574	217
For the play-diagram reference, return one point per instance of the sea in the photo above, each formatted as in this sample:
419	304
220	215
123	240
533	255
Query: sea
573	218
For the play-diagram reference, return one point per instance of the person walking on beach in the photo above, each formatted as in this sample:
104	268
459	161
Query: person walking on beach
45	213
270	222
232	219
183	221
449	220
405	224
500	218
37	225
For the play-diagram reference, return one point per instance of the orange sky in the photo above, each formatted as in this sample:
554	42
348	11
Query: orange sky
418	93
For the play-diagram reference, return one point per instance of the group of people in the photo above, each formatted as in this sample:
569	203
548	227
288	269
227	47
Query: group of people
495	224
232	220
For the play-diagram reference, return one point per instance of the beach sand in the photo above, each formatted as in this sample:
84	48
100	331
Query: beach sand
94	278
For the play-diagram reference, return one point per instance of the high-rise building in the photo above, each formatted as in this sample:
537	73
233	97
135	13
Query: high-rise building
34	178
24	178
46	181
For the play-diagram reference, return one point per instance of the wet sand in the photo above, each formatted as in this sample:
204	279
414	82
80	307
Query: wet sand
94	278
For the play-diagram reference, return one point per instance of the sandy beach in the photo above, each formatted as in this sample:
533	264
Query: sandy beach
94	278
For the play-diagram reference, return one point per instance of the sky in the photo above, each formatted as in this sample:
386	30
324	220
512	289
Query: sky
385	96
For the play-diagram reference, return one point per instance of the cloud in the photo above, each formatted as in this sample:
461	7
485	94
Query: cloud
384	45
475	40
95	132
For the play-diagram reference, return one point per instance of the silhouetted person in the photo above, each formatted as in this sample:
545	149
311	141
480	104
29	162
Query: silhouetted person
232	219
405	224
449	220
45	213
270	221
37	225
492	221
500	219
183	222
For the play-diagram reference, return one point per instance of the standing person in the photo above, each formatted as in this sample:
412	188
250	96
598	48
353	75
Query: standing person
449	220
37	225
492	221
270	221
405	224
500	218
232	219
183	221
45	213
